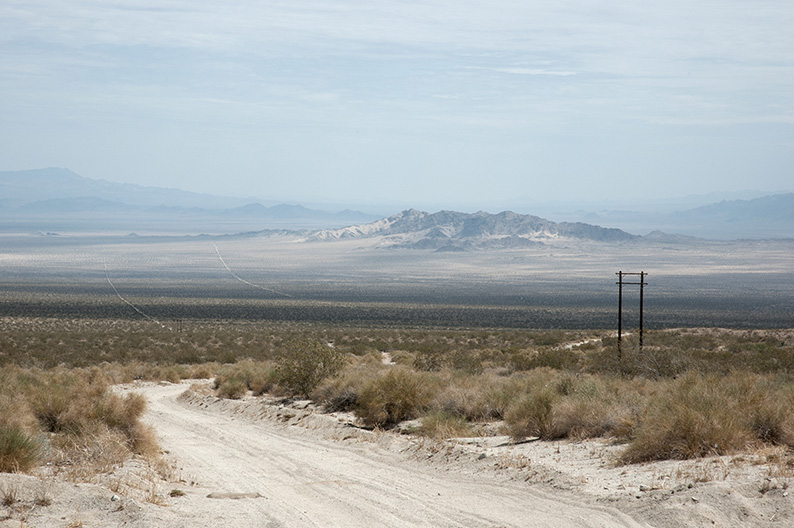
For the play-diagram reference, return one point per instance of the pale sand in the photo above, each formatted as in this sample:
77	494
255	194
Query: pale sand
261	463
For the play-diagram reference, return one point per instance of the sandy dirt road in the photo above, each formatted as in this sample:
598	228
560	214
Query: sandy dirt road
265	473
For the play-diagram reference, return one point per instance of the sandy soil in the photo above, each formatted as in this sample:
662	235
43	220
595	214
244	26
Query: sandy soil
263	463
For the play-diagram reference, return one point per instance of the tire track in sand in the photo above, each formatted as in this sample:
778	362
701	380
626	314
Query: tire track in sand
306	480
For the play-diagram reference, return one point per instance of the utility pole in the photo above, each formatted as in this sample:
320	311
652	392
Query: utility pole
621	283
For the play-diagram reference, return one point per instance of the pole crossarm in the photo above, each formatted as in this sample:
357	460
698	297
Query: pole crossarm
640	274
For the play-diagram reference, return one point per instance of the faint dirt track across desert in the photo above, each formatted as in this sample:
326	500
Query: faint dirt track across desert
269	474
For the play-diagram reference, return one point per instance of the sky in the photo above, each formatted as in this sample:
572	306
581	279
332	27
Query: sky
442	104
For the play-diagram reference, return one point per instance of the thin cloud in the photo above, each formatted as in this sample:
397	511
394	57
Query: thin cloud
532	71
506	75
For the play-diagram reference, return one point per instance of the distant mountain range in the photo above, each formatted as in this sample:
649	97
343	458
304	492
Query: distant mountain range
92	204
769	216
18	188
775	208
453	231
53	200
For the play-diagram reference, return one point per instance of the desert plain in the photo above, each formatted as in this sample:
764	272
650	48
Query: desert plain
152	314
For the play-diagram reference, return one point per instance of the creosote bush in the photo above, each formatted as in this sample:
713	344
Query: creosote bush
302	365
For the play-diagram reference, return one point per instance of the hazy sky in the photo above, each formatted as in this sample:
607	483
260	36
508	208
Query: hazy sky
442	103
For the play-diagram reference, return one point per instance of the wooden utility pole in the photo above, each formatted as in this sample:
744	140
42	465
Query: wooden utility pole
620	284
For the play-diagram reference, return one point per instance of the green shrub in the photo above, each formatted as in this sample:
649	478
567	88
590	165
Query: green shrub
18	450
302	365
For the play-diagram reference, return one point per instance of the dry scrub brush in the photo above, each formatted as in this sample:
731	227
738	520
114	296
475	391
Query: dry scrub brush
341	391
298	368
61	416
395	395
686	394
698	415
302	365
553	405
235	380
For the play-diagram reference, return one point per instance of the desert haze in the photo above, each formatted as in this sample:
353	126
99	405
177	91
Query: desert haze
420	369
437	264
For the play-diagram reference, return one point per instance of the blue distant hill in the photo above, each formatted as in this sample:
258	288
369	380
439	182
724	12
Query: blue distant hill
55	199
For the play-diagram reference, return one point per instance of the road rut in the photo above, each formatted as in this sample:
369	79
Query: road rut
263	473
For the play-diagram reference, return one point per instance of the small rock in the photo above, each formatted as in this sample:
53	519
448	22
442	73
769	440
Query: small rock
115	498
644	488
695	500
482	455
233	496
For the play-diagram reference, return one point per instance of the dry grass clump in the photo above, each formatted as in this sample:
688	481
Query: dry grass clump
235	380
691	416
555	405
698	415
341	391
533	415
440	425
395	395
468	396
19	451
85	421
20	448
